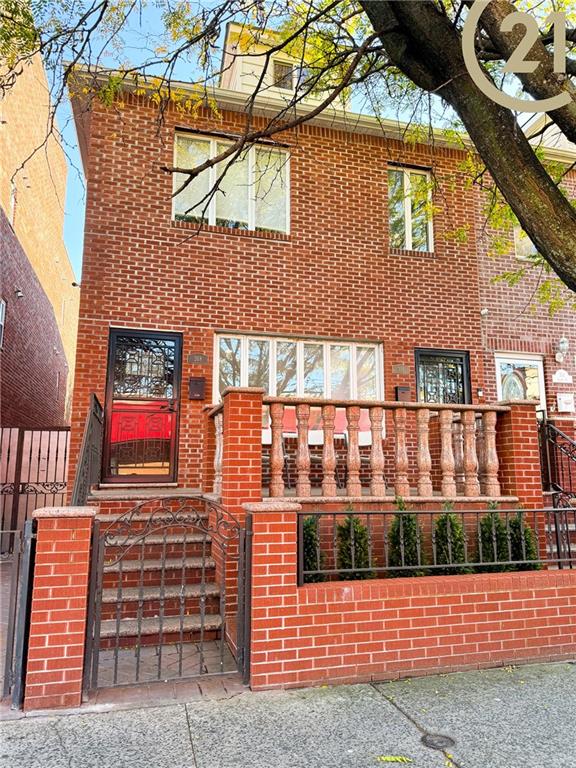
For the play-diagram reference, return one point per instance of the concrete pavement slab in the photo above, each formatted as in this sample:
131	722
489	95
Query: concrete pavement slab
344	727
138	738
500	718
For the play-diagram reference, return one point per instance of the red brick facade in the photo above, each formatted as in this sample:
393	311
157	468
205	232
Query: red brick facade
33	368
334	275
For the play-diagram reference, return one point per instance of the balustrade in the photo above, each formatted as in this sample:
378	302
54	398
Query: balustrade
394	448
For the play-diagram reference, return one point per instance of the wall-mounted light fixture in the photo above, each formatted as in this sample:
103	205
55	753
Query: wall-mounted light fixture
562	349
18	293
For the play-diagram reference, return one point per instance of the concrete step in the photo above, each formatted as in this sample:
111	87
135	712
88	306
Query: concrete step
151	626
170	564
132	594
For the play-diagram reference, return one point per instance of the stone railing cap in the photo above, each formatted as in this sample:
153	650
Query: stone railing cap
65	512
533	403
244	390
272	506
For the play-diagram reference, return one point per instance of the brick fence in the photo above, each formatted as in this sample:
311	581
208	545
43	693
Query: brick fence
374	630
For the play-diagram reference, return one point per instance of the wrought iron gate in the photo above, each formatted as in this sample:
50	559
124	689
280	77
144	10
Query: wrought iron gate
164	593
16	574
33	470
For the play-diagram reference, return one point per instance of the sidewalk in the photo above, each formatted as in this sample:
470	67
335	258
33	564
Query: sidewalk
523	717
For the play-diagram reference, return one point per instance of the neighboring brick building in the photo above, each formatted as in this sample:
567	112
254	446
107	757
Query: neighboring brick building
40	302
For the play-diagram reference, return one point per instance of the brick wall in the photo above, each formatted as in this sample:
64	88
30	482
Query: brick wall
33	367
58	612
387	628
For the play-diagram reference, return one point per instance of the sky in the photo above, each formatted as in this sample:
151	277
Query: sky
75	199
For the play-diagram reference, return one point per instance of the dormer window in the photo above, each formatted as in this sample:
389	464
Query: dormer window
283	74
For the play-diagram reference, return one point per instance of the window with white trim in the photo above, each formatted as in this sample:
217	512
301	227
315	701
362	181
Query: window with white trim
253	194
520	377
291	367
2	321
409	208
524	248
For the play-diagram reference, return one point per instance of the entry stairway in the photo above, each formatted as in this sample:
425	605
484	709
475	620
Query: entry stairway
158	580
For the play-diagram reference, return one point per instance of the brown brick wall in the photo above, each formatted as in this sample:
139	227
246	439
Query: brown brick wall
32	354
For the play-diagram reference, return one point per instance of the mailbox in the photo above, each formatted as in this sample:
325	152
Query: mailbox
197	388
403	394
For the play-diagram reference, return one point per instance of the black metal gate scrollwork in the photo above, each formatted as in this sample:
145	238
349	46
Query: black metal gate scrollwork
165	583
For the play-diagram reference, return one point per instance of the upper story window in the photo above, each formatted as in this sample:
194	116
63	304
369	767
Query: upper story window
524	248
409	201
283	75
291	367
253	194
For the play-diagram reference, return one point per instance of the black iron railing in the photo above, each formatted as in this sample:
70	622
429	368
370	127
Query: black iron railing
366	545
558	461
89	466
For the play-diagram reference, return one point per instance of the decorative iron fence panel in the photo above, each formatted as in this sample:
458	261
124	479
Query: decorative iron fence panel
16	575
33	472
358	545
164	594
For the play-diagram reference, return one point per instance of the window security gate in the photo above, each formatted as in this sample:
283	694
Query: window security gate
167	594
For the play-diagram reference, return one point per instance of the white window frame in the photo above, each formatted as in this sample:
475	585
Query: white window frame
510	357
518	231
300	341
213	176
2	321
407	171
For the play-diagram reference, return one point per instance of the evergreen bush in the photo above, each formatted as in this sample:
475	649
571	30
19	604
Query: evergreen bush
518	526
406	542
494	543
353	549
449	537
313	555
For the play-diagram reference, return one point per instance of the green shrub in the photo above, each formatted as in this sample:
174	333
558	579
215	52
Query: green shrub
518	526
313	555
494	542
405	542
353	549
449	537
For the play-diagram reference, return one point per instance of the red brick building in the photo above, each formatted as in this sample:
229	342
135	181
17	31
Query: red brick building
319	287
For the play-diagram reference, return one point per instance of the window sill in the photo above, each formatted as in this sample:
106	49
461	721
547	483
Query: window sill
212	228
406	252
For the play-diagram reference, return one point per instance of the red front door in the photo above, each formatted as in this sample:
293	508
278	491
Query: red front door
142	400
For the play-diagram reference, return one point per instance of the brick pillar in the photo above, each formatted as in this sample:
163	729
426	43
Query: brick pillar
242	452
274	583
59	607
519	454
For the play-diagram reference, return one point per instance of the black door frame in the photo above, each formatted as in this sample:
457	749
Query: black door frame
143	479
